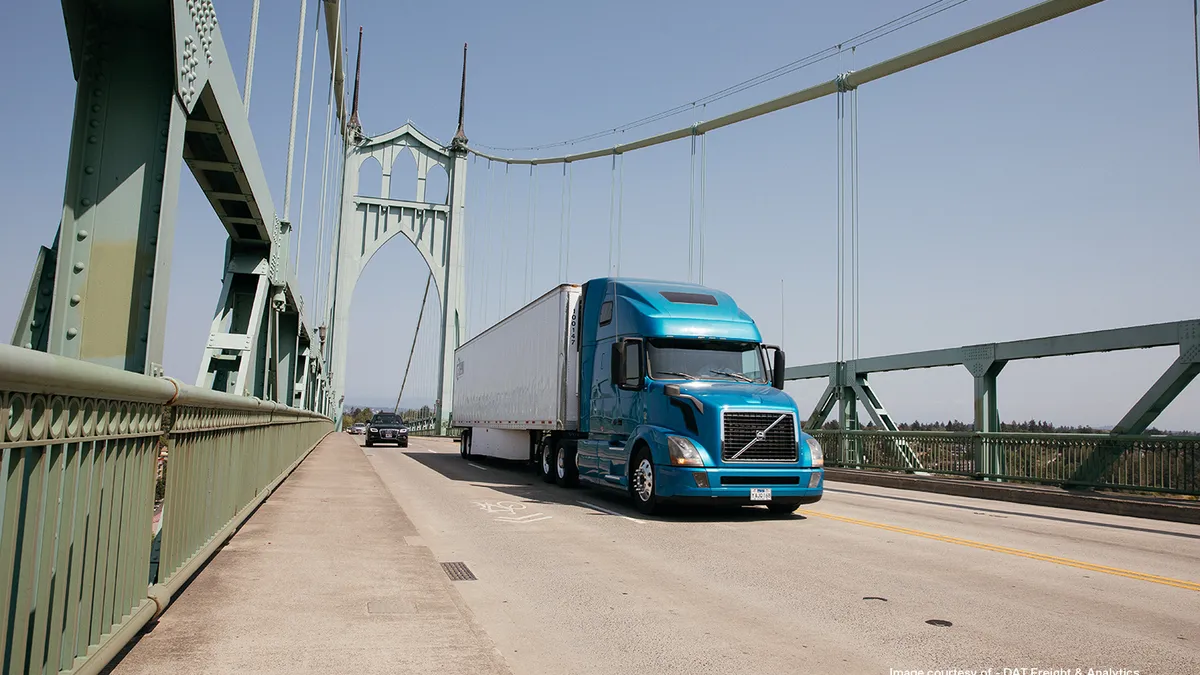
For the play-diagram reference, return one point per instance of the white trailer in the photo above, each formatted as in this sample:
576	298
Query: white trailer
520	376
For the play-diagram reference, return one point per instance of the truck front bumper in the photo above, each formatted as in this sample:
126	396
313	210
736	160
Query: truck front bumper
734	486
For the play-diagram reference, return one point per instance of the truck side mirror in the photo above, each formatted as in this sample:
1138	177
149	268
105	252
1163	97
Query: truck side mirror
778	371
777	380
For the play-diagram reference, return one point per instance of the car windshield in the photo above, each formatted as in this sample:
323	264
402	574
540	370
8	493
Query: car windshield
693	359
386	419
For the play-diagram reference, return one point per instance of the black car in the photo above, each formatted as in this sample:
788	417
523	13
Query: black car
387	428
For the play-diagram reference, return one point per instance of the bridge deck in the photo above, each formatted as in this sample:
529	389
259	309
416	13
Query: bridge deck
326	577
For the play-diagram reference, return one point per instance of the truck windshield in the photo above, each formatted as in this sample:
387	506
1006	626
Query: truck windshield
689	359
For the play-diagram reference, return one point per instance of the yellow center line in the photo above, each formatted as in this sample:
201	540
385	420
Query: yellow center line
1091	567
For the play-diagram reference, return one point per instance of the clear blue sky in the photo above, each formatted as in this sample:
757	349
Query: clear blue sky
1041	184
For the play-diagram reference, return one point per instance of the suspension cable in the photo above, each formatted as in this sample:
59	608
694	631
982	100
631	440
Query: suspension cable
562	223
250	56
291	153
1196	40
612	211
854	218
487	259
319	259
703	202
620	211
312	81
416	333
570	203
504	246
882	30
692	211
528	236
840	220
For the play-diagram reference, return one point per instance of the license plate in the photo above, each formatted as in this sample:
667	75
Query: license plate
760	494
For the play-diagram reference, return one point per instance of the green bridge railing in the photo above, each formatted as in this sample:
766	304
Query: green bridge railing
80	446
1165	464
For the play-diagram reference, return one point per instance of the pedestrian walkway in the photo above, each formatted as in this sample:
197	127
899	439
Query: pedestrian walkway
320	580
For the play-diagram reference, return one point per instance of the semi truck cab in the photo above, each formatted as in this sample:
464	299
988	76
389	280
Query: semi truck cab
679	400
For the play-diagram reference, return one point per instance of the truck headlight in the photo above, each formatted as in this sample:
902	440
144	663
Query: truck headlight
683	452
814	450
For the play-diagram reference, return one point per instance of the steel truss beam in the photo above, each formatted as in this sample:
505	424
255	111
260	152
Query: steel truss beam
848	382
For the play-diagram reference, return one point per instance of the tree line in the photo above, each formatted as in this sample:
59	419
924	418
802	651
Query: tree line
356	415
1030	426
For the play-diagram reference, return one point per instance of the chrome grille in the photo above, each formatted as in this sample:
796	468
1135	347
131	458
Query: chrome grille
776	445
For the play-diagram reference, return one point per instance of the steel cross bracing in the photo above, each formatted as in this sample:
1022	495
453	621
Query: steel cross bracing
139	118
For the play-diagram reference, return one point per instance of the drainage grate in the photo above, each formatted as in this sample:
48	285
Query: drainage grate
458	571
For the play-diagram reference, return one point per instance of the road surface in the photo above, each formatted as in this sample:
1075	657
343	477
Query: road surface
869	580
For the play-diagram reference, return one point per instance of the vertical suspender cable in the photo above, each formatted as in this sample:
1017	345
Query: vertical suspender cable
312	82
620	211
250	56
318	258
570	201
562	223
612	210
529	218
487	281
840	220
291	153
692	211
703	200
504	246
416	333
854	216
1196	54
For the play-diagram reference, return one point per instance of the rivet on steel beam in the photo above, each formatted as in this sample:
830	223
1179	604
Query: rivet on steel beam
78	267
97	92
89	170
75	300
159	178
71	332
94	123
92	139
82	234
95	107
162	148
85	201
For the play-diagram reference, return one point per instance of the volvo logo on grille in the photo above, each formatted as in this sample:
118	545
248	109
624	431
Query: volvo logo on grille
759	435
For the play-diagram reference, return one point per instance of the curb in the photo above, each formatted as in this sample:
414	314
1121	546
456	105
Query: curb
1134	507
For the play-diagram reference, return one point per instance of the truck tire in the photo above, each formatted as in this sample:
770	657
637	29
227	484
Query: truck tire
566	473
643	481
547	460
464	445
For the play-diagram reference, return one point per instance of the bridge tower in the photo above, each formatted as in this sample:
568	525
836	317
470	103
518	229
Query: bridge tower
434	229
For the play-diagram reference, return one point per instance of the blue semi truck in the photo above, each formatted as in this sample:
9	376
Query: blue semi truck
663	390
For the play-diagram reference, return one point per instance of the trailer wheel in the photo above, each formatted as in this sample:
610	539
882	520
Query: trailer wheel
464	445
549	460
566	473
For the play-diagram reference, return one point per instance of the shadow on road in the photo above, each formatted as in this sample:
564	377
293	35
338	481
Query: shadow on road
519	480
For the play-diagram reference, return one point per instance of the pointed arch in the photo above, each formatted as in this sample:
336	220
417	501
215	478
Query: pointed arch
370	177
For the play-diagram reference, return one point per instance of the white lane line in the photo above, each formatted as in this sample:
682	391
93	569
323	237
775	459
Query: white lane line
611	512
481	468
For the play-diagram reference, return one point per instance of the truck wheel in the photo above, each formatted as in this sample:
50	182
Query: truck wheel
548	460
566	473
464	445
643	482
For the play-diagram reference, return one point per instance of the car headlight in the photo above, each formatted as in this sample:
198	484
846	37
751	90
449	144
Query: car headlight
814	450
683	452
373	430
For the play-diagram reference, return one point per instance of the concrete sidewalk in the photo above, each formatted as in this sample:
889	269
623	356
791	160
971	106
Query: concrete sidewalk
319	580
